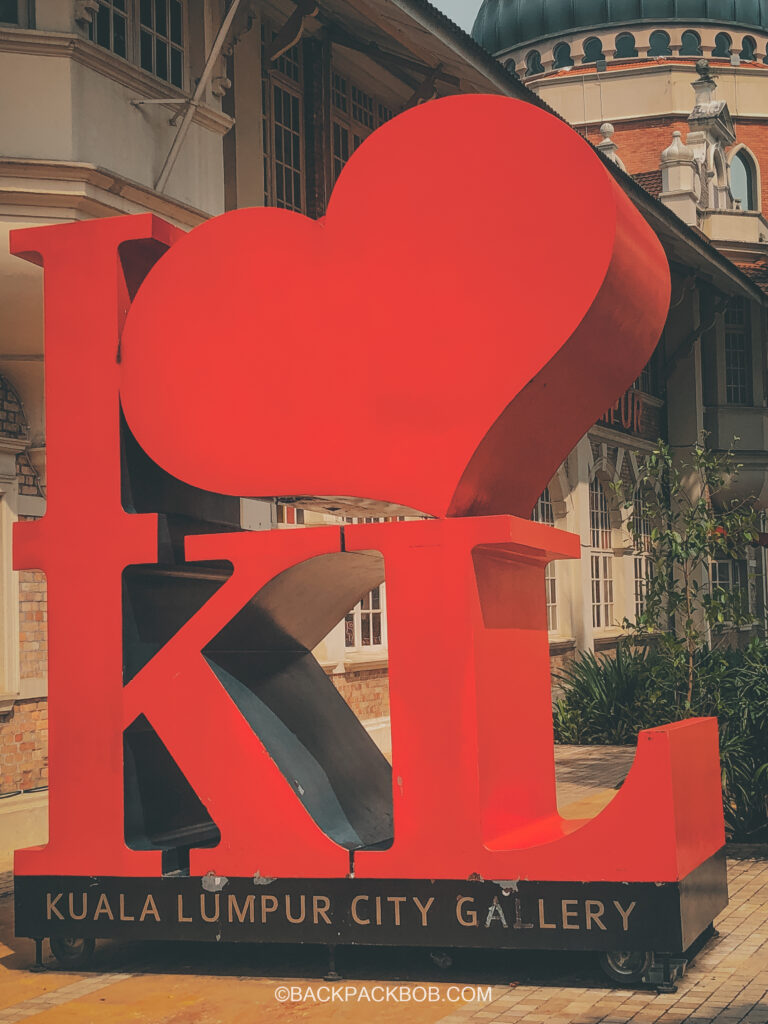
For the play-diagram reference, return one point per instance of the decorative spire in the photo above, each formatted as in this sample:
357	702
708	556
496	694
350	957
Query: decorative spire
710	119
680	180
608	147
705	88
677	152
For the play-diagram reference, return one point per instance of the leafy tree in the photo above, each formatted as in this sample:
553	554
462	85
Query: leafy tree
677	661
694	523
606	699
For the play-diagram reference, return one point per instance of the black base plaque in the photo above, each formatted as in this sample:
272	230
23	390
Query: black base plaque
661	917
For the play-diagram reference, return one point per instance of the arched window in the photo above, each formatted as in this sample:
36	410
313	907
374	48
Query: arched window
544	513
743	180
601	556
593	51
542	510
723	44
562	55
691	44
625	46
659	45
643	565
748	48
533	65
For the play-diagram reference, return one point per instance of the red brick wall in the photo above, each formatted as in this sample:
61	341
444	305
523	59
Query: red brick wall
12	420
24	730
33	621
33	625
26	477
642	141
366	692
24	746
561	659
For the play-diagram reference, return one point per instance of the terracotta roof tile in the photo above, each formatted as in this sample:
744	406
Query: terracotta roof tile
650	181
756	271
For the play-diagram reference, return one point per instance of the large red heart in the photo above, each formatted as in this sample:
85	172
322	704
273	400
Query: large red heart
478	293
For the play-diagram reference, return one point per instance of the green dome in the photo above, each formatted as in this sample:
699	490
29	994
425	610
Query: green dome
502	24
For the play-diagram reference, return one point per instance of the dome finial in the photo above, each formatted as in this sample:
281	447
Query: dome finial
678	151
705	71
705	89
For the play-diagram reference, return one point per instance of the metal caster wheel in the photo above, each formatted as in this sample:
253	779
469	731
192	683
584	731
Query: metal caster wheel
72	953
441	959
626	968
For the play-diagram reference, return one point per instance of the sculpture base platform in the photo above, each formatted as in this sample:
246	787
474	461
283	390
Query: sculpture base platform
664	917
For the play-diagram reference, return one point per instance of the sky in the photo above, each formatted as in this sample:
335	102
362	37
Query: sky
461	11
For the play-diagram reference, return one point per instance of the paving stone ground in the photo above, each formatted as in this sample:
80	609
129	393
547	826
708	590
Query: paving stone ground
191	983
726	984
587	774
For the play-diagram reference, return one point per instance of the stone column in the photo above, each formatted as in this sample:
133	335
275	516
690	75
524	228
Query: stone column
580	573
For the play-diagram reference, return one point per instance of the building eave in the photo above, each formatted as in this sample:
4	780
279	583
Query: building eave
449	34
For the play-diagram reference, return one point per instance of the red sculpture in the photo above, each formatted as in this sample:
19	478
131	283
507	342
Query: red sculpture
477	331
466	323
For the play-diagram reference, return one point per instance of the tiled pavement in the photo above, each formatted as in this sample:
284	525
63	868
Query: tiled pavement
584	771
727	983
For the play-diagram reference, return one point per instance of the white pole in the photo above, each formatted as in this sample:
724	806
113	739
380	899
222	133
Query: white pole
194	103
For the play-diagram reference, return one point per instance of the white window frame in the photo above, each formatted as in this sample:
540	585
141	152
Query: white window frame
354	617
351	119
754	171
732	576
279	75
642	560
362	611
288	515
543	512
10	669
737	341
601	558
133	33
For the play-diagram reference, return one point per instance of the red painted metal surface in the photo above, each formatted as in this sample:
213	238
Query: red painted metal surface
479	292
472	742
476	331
